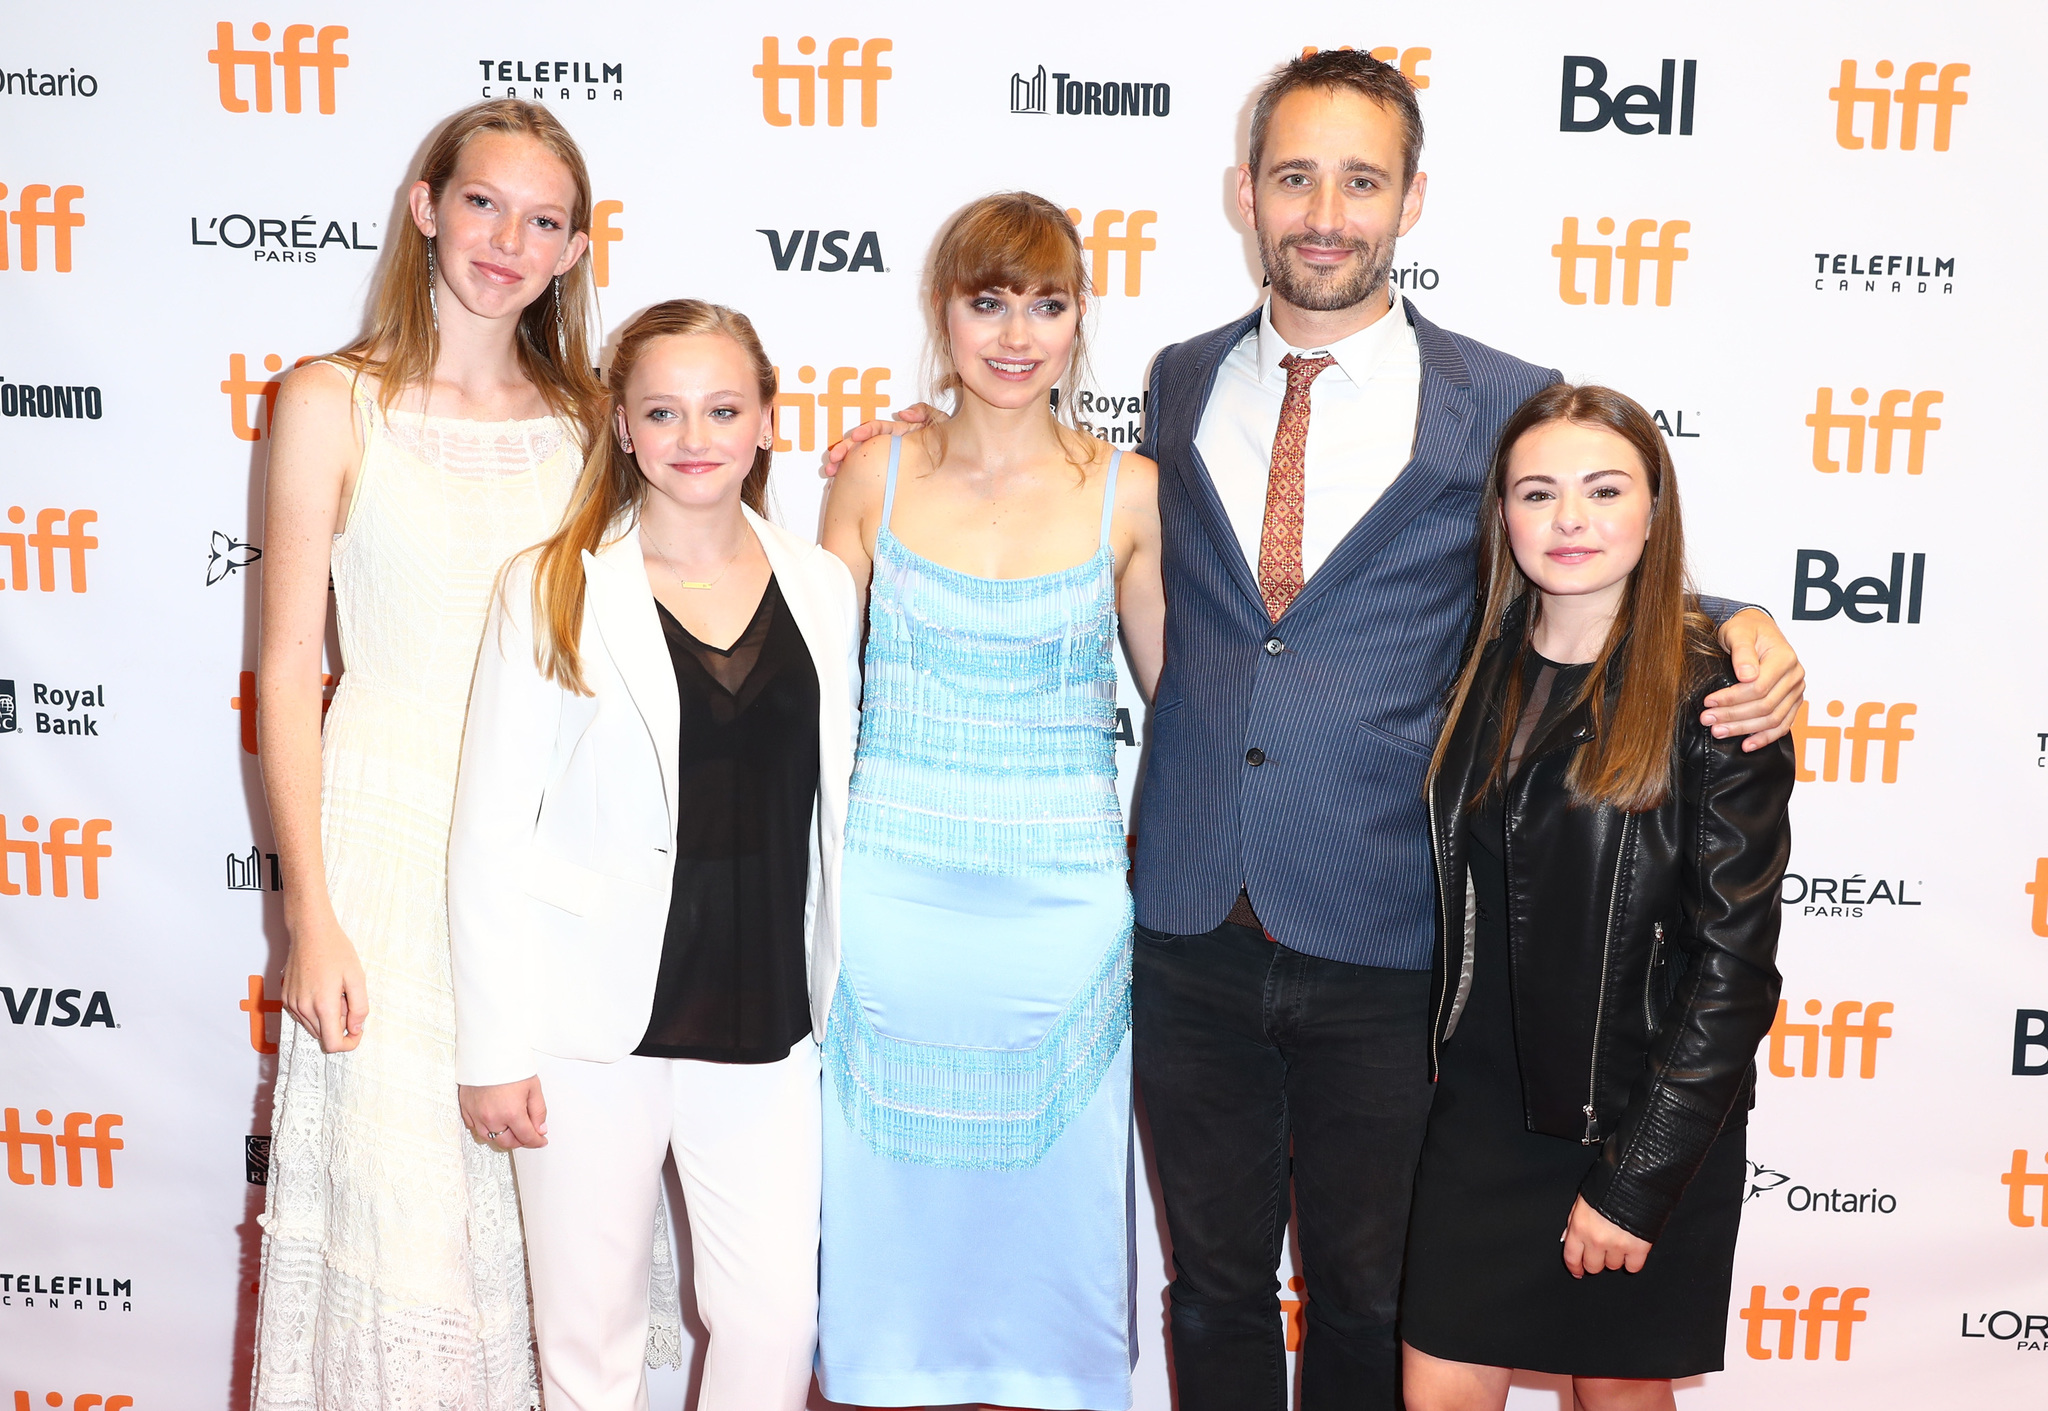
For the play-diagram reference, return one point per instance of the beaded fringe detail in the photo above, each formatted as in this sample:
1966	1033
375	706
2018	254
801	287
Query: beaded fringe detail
978	1108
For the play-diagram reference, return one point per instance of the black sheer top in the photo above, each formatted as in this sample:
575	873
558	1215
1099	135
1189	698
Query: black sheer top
733	986
1548	690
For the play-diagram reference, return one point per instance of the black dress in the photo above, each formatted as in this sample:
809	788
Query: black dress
1485	1278
734	986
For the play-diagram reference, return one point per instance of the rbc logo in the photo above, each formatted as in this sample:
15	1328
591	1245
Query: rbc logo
1760	1316
1625	107
1944	98
1886	423
867	251
1632	254
1104	242
291	60
1862	598
835	73
29	217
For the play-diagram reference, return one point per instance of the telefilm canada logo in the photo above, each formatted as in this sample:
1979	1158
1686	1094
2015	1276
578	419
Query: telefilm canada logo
554	80
44	1006
1883	272
70	1293
1087	97
294	240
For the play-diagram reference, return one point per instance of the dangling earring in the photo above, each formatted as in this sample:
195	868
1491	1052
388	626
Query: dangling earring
561	339
433	304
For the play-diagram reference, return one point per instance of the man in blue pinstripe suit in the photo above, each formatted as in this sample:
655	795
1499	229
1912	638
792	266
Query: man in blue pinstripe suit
1320	464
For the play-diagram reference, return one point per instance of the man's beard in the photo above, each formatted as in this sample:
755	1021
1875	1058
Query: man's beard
1325	294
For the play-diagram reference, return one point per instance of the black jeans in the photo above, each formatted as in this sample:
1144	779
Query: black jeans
1242	1046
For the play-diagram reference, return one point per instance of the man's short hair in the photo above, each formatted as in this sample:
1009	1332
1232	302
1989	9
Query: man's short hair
1355	71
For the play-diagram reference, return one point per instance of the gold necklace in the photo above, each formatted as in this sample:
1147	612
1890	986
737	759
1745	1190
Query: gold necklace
682	582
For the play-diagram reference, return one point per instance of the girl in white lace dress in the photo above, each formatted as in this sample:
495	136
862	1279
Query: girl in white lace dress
409	466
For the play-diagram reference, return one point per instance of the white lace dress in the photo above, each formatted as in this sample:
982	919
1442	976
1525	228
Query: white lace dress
394	1273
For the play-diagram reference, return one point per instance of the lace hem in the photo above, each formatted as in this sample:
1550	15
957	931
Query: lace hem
976	1108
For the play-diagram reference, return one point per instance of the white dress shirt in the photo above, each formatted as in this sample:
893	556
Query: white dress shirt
1361	429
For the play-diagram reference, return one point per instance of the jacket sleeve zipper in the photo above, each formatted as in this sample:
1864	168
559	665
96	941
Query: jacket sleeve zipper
1650	978
1600	1013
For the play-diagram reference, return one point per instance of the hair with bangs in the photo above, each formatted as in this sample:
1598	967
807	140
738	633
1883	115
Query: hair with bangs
1026	245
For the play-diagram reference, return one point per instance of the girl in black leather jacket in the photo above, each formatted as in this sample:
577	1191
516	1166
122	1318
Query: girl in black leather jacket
1608	878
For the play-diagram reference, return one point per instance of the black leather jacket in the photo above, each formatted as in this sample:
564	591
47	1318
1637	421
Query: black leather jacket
1643	944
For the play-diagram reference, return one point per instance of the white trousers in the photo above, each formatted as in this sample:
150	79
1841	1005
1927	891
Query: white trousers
746	1139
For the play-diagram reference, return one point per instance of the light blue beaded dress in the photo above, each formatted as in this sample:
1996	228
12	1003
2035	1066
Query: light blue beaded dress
977	1195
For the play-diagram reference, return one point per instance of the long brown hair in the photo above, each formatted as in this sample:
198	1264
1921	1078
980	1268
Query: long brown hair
1025	244
1643	665
401	343
612	489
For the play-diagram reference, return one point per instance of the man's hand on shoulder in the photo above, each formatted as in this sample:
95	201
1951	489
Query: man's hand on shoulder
912	417
1773	682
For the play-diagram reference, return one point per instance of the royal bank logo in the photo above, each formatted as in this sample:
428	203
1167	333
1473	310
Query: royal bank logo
1630	109
1874	723
84	1134
554	80
1852	1024
29	220
10	721
849	392
65	711
50	400
1899	412
1852	101
256	1156
824	251
836	75
1631	254
1094	98
226	556
59	544
290	63
297	240
1103	239
27	83
1849	898
1867	272
1774	1332
1818	594
1118	420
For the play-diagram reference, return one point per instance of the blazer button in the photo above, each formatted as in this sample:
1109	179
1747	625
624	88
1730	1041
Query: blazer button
1274	646
1255	756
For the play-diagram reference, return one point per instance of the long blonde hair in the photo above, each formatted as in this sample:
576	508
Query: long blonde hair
1653	648
612	489
401	343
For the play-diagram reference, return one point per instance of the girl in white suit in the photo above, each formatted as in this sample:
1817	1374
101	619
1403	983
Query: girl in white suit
642	876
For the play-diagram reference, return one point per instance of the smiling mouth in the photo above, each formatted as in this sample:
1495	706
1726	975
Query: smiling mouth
1011	371
497	274
693	467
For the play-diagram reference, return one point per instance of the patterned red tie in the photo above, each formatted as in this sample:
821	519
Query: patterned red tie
1280	576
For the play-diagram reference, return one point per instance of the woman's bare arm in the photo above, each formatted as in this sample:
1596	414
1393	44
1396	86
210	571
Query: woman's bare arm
1140	595
853	512
313	462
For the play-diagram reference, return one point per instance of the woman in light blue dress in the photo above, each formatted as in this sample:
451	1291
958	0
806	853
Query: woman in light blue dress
978	1186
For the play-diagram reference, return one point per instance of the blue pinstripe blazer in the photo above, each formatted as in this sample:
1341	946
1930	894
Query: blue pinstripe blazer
1329	834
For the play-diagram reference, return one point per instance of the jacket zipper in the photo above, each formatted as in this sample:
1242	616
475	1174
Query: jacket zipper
1650	978
1443	907
1600	1013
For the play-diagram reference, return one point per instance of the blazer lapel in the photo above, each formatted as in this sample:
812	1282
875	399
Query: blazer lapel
1446	425
620	601
1194	472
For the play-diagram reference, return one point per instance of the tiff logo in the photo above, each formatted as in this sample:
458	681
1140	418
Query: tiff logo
865	402
1632	254
1816	1315
258	1008
1861	735
603	235
87	1400
61	849
48	541
74	1141
1883	425
1838	1031
1944	98
291	60
243	392
835	73
29	217
1408	61
2017	1182
2038	890
1103	242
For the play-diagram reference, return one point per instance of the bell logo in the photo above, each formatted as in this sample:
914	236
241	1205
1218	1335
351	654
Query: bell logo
61	849
866	401
1408	61
2038	890
835	73
1886	423
29	217
243	704
1816	572
2029	1035
74	1140
257	1007
1632	254
1865	732
292	60
1760	1316
1838	1031
1631	103
2017	1183
1102	242
603	235
47	540
1944	98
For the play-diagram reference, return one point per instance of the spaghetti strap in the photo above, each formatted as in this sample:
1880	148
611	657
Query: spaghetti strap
1109	499
889	490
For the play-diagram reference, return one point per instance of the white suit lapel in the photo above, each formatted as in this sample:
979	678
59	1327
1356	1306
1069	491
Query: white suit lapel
620	601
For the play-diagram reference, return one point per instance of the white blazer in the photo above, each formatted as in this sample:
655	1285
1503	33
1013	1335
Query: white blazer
561	855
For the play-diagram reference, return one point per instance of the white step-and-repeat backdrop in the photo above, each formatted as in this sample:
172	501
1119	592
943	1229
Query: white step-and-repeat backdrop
1806	235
